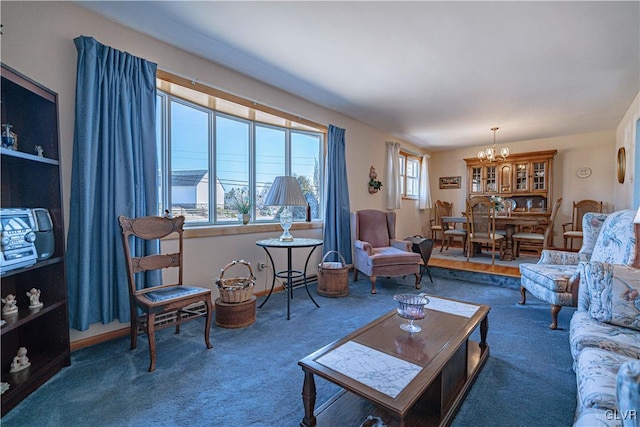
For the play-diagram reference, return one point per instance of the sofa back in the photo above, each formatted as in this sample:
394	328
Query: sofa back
616	243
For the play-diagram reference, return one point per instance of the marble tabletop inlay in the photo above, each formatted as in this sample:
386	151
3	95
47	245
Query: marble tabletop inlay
380	371
451	307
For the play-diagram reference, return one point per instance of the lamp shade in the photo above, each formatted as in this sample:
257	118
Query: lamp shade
285	191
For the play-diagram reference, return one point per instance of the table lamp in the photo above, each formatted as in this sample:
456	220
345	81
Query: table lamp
285	192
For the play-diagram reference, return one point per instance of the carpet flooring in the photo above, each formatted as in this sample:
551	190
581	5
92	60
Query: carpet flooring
251	376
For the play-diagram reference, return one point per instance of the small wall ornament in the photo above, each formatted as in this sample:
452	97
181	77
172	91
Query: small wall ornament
374	185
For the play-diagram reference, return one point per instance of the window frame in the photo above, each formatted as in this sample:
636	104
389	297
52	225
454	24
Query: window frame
299	126
404	157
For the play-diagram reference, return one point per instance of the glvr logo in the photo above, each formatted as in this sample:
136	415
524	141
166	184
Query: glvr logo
630	414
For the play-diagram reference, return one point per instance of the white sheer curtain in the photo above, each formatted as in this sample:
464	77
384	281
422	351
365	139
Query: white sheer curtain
425	189
394	196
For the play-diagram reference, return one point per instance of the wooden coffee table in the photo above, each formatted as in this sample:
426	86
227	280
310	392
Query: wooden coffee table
407	380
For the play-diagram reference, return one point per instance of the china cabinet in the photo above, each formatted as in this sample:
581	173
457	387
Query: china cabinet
31	180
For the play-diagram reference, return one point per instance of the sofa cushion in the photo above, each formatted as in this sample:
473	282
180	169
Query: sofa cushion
616	243
586	332
596	377
592	417
614	293
592	223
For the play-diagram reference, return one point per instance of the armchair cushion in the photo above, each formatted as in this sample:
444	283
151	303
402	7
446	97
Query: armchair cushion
614	293
392	256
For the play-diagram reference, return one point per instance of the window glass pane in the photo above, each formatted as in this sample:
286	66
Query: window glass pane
413	173
232	166
270	162
305	165
402	160
189	162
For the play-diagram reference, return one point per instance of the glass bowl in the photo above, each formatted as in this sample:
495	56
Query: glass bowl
411	307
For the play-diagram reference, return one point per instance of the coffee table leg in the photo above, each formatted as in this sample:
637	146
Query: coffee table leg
484	328
308	399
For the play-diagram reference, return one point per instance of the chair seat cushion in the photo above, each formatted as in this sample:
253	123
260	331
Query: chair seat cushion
529	236
572	234
389	255
596	377
550	276
455	232
172	292
586	332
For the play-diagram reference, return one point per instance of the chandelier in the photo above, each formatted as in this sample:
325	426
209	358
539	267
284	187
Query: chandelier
490	154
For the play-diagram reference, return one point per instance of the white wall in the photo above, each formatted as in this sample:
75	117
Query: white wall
626	137
37	41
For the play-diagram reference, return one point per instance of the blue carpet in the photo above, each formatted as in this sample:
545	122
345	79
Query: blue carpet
251	376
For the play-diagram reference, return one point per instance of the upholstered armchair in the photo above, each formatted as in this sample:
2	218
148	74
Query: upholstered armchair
377	252
555	278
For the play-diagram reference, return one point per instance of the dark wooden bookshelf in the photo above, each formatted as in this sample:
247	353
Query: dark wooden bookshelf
31	181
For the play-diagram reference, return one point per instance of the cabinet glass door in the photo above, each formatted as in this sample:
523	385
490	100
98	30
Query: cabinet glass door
521	178
476	179
505	178
492	179
539	176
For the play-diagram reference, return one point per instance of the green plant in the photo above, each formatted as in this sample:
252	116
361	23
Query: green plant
240	201
375	184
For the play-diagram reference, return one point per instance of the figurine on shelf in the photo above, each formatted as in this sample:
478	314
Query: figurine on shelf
34	298
39	150
20	361
9	138
10	305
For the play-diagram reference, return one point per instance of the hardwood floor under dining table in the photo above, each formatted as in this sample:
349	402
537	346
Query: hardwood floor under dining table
507	223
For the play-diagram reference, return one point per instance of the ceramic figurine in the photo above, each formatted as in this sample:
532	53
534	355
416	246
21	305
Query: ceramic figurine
39	150
20	361
10	305
34	298
9	138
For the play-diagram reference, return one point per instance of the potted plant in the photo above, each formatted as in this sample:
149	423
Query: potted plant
240	203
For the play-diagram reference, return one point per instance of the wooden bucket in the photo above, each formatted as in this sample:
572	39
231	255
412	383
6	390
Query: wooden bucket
235	315
333	277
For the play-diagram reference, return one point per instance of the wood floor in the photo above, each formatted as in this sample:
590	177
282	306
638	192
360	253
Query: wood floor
475	267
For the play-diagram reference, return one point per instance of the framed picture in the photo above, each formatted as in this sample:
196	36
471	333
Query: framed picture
450	182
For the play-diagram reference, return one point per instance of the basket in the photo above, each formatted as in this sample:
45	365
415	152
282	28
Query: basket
236	289
333	277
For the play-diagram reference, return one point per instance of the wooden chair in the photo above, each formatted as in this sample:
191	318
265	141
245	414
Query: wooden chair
544	239
481	226
435	224
450	232
162	305
573	230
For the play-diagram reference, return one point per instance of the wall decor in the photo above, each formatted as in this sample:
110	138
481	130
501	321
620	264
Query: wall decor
447	182
583	172
622	164
374	184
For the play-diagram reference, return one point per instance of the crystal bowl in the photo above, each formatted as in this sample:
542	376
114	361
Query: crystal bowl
411	307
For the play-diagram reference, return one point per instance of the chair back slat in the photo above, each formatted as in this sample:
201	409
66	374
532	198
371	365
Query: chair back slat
155	262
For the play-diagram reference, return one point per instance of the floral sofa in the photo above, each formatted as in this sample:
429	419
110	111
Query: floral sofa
554	278
605	345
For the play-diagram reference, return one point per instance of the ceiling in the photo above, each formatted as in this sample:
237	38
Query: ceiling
437	74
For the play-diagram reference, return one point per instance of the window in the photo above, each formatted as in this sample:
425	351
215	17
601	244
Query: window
242	148
409	175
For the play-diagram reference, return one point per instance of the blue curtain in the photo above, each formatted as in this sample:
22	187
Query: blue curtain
337	218
113	173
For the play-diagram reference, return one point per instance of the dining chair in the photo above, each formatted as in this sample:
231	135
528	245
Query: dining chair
163	305
481	226
434	224
544	239
573	230
450	232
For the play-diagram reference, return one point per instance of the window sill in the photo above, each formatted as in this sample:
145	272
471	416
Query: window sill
229	230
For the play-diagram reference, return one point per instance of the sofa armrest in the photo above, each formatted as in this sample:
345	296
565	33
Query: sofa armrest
403	245
628	393
363	246
555	257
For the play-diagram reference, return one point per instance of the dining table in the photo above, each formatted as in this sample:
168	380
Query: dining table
506	222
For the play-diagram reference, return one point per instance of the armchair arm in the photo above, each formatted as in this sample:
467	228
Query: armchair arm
403	245
555	257
363	246
567	226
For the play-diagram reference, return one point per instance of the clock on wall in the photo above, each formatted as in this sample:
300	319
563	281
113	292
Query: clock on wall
583	172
